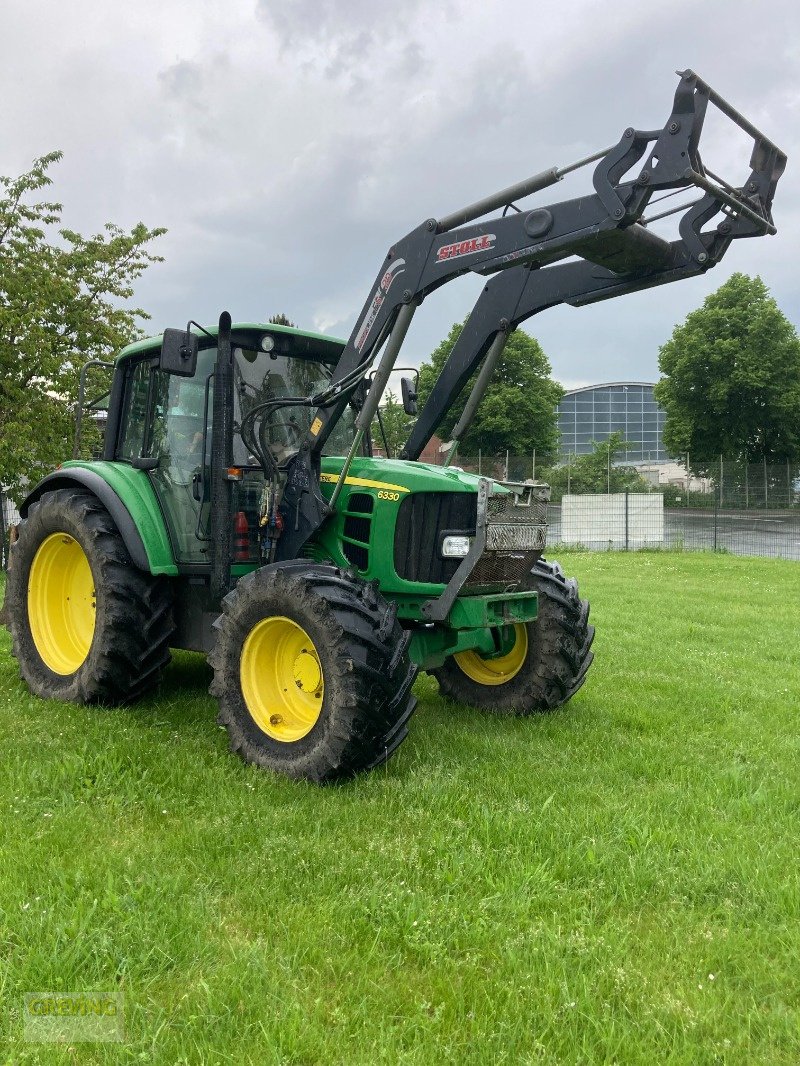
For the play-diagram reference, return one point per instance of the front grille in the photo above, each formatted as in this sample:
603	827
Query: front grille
515	537
421	519
357	529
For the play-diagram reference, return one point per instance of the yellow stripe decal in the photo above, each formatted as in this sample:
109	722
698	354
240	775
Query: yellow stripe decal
364	483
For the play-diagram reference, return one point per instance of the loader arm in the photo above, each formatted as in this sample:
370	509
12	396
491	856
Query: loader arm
516	295
602	227
605	229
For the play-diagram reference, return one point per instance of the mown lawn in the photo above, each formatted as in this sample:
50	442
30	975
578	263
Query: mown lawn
618	882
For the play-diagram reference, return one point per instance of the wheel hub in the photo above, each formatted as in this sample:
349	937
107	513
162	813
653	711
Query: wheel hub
307	672
281	679
62	603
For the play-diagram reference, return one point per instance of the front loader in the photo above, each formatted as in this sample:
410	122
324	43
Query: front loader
238	510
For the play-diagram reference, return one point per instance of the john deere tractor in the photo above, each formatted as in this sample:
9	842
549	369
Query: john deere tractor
238	509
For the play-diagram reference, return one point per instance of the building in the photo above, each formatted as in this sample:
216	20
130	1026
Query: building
595	412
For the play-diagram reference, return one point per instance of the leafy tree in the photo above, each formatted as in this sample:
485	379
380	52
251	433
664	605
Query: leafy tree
731	382
396	425
281	320
61	303
518	412
596	471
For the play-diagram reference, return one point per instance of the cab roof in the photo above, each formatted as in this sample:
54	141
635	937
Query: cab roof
301	342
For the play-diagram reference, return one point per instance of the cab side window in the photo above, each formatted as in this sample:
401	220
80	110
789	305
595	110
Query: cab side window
135	414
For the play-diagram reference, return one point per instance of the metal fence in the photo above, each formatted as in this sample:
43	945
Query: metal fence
742	508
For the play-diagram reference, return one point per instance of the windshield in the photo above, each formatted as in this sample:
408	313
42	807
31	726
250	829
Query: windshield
259	377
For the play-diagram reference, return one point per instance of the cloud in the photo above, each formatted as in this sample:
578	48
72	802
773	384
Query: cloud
286	145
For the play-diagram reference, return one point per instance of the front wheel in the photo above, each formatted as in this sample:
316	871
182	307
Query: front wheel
311	671
539	665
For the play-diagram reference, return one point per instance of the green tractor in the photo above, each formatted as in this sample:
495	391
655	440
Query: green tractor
238	509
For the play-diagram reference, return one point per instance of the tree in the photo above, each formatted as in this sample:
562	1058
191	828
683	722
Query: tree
518	412
731	382
281	320
61	303
396	425
596	472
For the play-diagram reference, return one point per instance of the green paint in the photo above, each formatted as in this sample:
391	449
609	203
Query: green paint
500	609
134	489
389	482
430	647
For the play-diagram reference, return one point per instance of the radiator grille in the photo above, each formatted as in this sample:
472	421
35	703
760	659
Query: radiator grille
515	537
421	519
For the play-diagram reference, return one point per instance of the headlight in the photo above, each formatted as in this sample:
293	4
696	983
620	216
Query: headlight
455	547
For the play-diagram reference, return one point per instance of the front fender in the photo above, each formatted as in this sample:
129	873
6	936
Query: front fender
128	497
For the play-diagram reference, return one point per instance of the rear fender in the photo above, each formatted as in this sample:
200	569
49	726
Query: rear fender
129	498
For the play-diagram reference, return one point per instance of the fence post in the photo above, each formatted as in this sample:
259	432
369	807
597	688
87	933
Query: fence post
766	489
533	470
569	470
479	462
505	478
626	519
717	496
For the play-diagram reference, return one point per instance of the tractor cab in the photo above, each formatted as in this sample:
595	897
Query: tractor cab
165	425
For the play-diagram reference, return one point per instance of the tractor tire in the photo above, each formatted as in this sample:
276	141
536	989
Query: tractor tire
86	625
546	664
311	671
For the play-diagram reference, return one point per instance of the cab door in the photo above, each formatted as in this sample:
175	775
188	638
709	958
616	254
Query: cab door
167	430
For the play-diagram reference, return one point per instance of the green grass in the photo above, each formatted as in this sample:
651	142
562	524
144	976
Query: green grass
558	889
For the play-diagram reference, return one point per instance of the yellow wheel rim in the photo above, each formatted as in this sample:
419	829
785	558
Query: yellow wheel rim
281	678
61	603
499	670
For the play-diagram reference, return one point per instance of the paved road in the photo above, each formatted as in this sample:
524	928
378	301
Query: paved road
775	533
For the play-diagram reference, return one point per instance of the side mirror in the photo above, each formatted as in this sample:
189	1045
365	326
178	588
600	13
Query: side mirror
408	391
179	352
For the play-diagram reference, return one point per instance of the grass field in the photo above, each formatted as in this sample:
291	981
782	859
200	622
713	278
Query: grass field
618	882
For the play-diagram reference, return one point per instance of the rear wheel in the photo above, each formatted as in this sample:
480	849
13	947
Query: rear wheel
86	624
539	665
311	671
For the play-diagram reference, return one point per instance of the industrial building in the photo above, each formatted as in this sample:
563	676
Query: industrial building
595	412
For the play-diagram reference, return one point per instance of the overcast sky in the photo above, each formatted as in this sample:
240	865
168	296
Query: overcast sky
286	144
